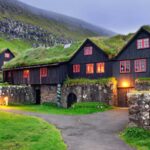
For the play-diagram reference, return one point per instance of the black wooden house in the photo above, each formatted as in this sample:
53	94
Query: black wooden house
89	59
132	62
5	56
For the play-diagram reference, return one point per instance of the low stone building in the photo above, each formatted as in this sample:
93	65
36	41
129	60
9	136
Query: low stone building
67	94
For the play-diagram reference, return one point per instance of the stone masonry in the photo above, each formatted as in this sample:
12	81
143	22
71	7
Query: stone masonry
17	95
90	93
139	109
48	94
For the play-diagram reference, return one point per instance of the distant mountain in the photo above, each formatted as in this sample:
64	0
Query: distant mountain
43	28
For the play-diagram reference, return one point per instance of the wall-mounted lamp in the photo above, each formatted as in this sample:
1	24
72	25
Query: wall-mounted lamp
125	84
6	100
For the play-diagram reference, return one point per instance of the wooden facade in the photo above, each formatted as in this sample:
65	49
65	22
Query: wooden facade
56	74
131	53
5	56
77	66
97	56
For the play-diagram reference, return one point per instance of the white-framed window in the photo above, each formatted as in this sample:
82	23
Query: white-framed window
7	55
143	43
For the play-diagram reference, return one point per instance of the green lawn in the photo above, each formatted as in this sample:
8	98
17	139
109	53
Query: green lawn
19	132
137	137
77	109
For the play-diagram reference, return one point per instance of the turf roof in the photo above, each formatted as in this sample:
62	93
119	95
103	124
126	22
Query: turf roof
57	54
146	27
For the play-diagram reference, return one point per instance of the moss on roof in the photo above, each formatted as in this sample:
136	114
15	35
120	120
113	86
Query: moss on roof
40	56
146	27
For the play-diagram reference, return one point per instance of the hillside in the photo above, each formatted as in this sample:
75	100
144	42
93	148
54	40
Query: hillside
56	54
43	28
17	46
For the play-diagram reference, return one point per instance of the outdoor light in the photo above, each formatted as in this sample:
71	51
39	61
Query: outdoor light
125	84
6	100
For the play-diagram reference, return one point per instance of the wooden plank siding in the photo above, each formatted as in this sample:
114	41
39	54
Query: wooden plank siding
3	59
56	75
97	56
130	52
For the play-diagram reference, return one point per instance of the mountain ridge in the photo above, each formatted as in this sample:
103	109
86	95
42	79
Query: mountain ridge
58	28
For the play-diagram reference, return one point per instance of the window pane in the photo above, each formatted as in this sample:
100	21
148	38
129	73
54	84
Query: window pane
125	66
26	73
100	68
88	50
43	72
7	55
90	68
140	65
143	43
76	68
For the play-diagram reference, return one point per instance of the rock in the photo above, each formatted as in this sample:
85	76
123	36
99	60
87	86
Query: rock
139	108
39	37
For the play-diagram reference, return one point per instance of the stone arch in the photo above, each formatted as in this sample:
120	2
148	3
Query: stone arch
71	99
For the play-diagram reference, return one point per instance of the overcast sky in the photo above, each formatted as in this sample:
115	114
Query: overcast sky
122	16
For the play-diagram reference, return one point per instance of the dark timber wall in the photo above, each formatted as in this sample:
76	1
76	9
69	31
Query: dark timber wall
56	74
3	59
97	57
131	53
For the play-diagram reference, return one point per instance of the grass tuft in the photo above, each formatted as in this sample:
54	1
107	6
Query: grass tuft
137	137
82	108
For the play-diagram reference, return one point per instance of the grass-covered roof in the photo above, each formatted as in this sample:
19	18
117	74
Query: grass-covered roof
146	27
41	56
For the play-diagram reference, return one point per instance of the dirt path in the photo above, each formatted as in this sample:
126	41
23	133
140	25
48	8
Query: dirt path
90	132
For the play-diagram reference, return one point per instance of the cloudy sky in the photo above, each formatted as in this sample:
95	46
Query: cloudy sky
121	16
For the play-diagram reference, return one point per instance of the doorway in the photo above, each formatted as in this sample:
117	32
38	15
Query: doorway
72	98
122	96
38	96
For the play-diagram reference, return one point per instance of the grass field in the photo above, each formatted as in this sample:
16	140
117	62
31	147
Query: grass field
77	109
28	133
17	46
137	137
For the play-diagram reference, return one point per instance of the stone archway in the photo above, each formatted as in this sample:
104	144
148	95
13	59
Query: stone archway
71	99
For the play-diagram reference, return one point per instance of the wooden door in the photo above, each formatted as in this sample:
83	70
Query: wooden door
122	96
38	96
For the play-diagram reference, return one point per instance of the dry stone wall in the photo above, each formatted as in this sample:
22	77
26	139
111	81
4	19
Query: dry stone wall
48	94
17	95
139	109
90	93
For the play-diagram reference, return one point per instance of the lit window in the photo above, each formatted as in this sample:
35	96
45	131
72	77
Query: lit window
90	68
7	55
100	67
140	65
26	74
88	50
76	68
43	72
125	66
143	43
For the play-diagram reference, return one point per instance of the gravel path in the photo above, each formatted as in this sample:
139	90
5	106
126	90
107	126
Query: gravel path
90	132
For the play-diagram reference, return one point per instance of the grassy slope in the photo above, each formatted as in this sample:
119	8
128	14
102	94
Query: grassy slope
59	54
16	46
137	137
27	133
59	29
77	109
